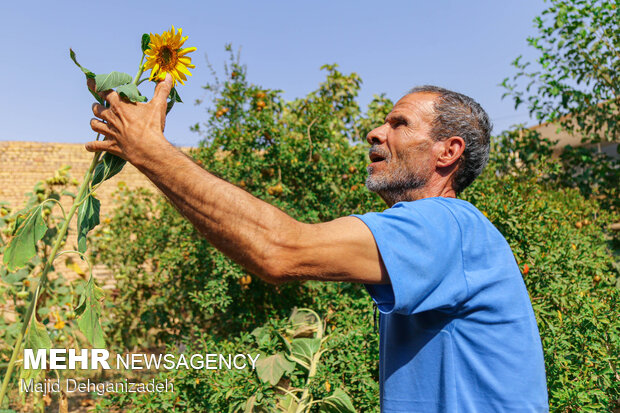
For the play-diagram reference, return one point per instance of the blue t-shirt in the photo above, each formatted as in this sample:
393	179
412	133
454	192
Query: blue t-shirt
457	329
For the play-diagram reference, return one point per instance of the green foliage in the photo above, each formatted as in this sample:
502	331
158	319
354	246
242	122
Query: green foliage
144	42
130	92
173	98
110	165
594	174
305	157
578	43
111	80
88	218
36	338
23	245
574	84
88	313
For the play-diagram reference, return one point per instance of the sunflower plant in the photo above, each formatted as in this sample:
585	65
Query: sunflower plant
161	54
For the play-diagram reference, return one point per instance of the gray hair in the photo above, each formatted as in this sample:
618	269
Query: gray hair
460	115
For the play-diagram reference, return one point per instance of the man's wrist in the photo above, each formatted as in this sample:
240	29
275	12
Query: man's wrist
151	152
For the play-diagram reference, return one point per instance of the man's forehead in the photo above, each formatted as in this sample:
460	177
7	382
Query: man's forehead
419	104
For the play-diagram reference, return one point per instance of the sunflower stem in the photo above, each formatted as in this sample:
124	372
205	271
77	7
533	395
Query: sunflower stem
140	71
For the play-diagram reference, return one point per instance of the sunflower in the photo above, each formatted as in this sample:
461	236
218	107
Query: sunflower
165	55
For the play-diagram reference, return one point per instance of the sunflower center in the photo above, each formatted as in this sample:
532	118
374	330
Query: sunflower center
166	55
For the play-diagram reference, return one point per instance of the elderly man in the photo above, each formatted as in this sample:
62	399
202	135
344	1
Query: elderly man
458	333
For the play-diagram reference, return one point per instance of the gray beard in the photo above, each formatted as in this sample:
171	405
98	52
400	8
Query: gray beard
399	186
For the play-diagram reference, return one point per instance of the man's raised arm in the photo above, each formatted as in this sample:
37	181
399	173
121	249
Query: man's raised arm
258	236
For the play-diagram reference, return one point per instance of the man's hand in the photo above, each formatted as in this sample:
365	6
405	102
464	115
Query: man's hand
131	129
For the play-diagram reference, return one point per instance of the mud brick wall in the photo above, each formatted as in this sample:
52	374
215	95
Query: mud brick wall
23	164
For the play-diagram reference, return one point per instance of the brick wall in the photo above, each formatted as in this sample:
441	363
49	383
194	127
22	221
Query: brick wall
23	164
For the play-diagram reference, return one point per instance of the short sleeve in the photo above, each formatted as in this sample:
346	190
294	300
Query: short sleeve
420	245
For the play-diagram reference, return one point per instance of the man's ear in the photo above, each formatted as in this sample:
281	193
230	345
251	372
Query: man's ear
450	151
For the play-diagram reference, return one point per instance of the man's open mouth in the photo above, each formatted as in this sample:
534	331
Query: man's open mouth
376	157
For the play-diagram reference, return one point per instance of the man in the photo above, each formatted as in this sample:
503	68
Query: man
458	333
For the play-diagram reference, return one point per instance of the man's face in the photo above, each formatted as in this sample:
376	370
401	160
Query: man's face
401	156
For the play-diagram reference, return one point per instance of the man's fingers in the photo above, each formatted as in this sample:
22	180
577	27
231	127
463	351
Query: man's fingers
162	90
99	146
103	128
104	113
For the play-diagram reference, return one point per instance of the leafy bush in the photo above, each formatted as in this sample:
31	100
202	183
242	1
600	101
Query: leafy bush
303	156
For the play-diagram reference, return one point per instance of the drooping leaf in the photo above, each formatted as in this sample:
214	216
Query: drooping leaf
36	338
111	80
146	39
173	97
130	92
110	165
338	402
19	220
89	313
88	73
305	347
88	218
271	369
23	246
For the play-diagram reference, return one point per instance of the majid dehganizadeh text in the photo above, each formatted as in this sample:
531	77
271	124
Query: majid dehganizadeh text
93	359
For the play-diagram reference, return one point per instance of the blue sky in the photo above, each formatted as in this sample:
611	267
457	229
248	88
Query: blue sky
462	45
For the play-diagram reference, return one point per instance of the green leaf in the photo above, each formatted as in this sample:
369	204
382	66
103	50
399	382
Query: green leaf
287	403
146	39
88	218
272	368
173	98
88	73
23	246
14	277
111	80
305	347
69	193
110	165
36	338
338	402
130	92
262	335
89	313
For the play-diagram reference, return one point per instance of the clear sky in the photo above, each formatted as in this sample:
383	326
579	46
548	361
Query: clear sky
462	45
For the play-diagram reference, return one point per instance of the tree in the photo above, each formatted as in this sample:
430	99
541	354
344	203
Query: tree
574	81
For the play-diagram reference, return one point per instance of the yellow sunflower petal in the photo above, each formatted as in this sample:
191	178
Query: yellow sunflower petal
186	51
181	68
181	75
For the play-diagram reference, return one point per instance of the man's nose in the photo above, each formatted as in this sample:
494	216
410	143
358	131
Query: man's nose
377	135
